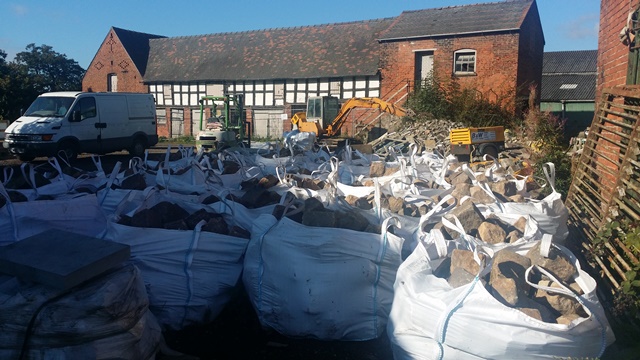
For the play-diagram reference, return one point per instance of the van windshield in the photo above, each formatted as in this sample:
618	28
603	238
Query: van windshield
49	106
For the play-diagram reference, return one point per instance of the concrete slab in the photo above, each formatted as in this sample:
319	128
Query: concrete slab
61	259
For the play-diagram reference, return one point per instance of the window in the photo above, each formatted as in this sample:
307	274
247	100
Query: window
161	116
112	82
87	107
166	92
464	62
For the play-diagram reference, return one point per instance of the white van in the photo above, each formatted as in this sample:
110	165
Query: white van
67	123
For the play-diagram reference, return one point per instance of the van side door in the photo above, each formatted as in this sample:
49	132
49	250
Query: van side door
115	134
83	120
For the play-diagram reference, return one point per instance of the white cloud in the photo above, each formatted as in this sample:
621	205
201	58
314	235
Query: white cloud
19	9
584	27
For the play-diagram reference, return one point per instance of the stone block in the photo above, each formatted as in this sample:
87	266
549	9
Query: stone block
507	277
460	277
557	263
505	188
464	260
491	233
61	259
395	204
461	190
268	181
480	196
470	218
376	169
351	220
563	304
319	218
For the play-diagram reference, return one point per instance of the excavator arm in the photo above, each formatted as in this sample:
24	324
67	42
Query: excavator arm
371	103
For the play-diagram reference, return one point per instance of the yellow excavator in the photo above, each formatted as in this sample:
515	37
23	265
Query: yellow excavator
325	116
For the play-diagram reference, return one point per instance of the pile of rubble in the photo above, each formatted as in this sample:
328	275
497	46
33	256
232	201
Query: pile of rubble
434	136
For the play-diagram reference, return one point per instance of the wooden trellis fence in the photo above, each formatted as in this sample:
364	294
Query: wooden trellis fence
606	183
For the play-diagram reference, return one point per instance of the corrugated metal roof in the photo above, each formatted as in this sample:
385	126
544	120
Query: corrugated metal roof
464	19
571	87
343	49
137	46
570	62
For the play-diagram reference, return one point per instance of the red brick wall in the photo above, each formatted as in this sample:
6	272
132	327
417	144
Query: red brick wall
613	58
612	54
112	58
496	61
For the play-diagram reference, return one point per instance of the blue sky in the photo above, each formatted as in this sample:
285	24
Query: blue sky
76	28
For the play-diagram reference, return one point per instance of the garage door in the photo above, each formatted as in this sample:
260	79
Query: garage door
268	124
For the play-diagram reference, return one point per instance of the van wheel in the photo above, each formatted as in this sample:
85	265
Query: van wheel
138	147
67	151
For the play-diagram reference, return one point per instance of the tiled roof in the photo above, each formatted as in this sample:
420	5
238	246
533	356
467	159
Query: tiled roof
137	46
570	62
340	49
571	87
464	19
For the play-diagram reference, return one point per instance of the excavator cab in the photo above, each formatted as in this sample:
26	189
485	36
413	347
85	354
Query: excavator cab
325	116
323	110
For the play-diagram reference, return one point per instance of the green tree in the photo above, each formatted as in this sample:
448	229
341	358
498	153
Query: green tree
38	69
49	70
4	83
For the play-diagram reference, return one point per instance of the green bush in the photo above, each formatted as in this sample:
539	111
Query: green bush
178	140
437	98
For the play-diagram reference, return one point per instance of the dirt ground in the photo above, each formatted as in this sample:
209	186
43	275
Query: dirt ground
236	334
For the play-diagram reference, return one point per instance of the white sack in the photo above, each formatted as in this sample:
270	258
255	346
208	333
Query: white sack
432	320
80	214
550	213
323	283
190	275
107	318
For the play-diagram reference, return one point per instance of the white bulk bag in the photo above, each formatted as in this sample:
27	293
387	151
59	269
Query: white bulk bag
550	213
79	214
322	283
105	318
432	320
190	275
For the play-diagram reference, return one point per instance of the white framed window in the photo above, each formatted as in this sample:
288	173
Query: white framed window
464	62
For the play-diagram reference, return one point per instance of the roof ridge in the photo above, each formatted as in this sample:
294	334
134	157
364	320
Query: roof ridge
468	5
567	51
136	32
283	28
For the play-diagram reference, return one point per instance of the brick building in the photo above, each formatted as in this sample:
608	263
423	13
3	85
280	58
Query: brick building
618	65
496	48
119	63
604	188
614	49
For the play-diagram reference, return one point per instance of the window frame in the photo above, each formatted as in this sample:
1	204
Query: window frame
464	52
112	82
